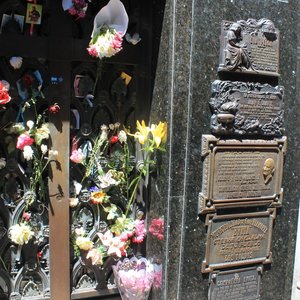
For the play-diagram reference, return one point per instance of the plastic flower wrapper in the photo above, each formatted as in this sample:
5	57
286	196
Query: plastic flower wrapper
134	39
134	278
157	276
110	25
30	85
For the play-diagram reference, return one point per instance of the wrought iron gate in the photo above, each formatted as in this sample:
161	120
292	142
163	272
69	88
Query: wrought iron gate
57	50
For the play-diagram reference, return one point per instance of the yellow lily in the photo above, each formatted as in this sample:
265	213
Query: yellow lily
159	133
142	133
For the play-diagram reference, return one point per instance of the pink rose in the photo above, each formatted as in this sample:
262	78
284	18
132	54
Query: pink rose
24	140
156	228
77	156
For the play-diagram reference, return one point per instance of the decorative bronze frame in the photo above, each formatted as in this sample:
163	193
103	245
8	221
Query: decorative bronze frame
210	146
265	254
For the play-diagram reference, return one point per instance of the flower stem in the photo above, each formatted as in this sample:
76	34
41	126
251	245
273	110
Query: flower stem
138	179
3	263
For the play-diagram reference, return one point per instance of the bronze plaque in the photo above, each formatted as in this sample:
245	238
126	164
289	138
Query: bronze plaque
240	108
250	47
241	173
235	284
238	240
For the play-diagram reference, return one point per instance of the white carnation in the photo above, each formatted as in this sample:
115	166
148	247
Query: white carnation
44	148
20	233
27	152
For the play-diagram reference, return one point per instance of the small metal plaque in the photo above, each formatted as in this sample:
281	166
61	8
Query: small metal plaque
250	47
241	172
238	240
235	284
241	108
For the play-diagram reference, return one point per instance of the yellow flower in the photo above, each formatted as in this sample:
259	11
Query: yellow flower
42	133
84	243
98	197
159	133
142	133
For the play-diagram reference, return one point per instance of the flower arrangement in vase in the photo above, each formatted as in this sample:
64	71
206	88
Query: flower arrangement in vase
134	278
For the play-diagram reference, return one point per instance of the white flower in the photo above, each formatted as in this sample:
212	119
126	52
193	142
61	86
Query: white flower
30	124
2	163
107	180
42	133
122	136
16	62
73	202
44	148
84	243
27	152
103	135
20	233
78	187
80	231
53	153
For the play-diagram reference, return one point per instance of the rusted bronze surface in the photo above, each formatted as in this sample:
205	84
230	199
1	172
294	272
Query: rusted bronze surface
250	47
241	173
242	108
59	191
237	240
235	284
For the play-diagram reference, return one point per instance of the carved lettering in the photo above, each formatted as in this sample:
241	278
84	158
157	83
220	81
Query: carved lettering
250	46
253	108
238	174
241	171
238	240
235	285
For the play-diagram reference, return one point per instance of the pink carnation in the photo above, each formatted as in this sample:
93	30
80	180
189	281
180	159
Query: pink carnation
117	41
140	232
77	156
125	236
92	51
24	140
72	11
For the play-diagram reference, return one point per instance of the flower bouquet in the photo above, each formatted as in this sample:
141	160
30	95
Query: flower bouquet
110	25
134	278
112	172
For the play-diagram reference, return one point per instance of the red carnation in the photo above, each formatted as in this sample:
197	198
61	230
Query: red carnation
28	80
53	109
4	96
114	139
